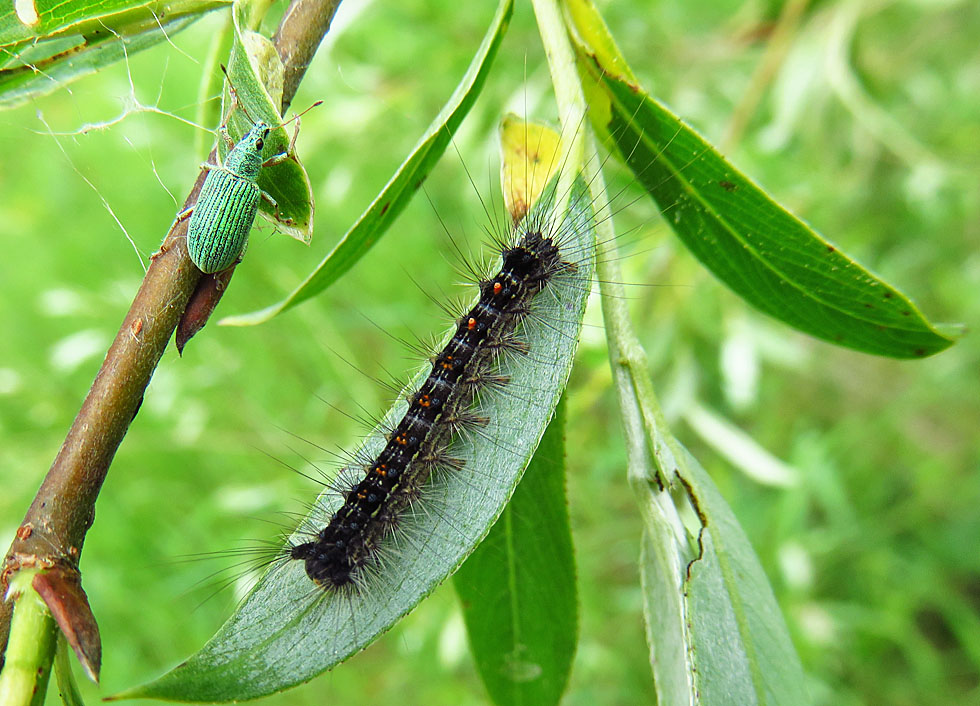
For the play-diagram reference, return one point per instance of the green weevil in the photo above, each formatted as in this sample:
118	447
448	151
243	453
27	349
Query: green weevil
225	210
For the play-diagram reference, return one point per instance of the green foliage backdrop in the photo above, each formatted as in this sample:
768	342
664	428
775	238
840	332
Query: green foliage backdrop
868	131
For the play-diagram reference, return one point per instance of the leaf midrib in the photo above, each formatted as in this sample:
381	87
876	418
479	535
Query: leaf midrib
711	211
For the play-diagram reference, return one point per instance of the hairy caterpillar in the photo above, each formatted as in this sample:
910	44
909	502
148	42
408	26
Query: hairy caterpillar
439	407
438	478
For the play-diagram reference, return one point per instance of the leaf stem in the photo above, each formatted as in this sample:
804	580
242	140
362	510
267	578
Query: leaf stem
650	447
568	90
643	421
24	679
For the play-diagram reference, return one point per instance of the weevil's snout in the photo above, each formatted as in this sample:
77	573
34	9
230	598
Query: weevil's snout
245	159
261	131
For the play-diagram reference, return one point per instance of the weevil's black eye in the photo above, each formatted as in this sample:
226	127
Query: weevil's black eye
259	144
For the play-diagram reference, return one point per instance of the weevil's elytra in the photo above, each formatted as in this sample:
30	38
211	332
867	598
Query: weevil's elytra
225	211
226	208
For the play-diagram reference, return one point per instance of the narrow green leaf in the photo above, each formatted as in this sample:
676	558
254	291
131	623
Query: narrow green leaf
715	630
44	19
663	562
728	596
67	688
518	587
256	73
72	58
285	633
764	253
401	187
47	43
760	250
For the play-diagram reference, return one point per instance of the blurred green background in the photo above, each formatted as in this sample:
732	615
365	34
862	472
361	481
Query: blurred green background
867	518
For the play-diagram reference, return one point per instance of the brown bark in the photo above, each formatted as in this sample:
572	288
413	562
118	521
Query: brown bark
53	530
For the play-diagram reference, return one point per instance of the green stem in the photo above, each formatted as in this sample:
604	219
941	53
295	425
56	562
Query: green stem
568	90
650	450
30	648
70	695
643	421
255	13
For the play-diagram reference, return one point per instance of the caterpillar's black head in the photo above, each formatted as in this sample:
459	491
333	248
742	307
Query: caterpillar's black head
326	567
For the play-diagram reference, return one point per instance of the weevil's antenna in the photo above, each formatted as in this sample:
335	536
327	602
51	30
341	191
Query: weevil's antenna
299	115
236	102
234	97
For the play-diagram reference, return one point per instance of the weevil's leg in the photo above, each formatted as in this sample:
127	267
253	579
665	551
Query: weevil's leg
182	215
272	202
276	159
283	156
292	141
177	219
231	105
208	167
223	131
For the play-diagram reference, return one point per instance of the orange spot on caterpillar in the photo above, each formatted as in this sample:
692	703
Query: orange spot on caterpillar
350	540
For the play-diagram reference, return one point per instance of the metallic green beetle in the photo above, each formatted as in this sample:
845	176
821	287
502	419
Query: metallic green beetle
225	210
